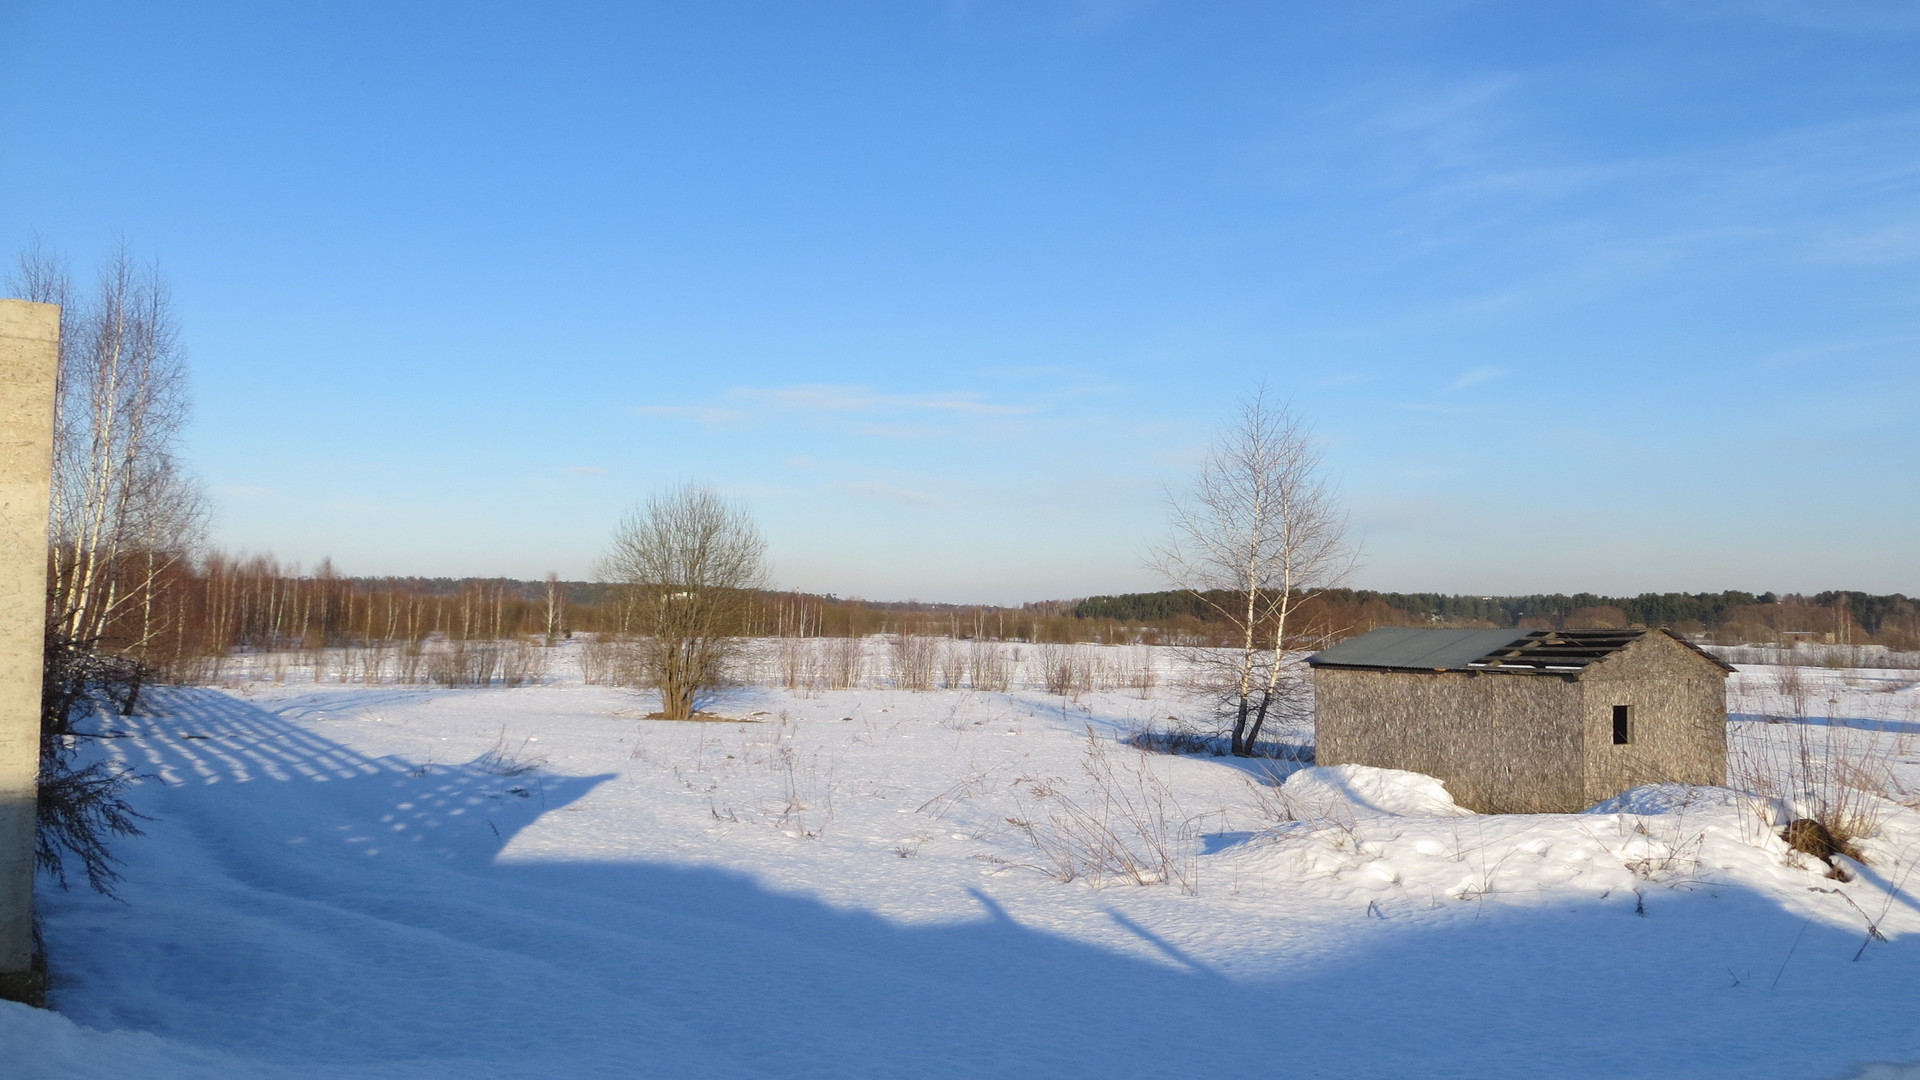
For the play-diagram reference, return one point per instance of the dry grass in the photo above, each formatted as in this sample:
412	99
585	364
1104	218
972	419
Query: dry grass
607	661
804	806
484	663
843	662
953	664
509	662
914	659
1133	669
989	667
1811	765
503	759
1818	655
922	662
1066	670
797	664
1125	828
1658	848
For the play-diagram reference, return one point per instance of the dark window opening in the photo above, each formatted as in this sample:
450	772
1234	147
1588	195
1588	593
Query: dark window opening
1622	725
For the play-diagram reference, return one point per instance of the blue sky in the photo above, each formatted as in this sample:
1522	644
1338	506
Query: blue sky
1619	296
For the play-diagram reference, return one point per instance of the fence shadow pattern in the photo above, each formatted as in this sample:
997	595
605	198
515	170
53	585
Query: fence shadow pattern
186	737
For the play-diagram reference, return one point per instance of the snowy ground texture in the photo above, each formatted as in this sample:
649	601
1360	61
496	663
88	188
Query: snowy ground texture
349	881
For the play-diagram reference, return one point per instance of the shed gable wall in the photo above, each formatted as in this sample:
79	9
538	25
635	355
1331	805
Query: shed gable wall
1679	702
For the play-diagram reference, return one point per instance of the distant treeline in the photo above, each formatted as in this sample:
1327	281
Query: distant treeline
218	604
1740	616
1650	609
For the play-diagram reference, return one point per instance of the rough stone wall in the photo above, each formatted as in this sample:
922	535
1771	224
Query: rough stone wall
29	342
1501	743
1679	734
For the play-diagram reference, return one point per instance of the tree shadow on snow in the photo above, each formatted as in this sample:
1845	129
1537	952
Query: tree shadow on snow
1860	723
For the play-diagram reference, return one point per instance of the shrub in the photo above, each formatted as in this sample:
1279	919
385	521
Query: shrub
80	809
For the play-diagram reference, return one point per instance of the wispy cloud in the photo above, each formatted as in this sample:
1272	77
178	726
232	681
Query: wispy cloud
1464	167
1869	245
860	399
698	413
1482	374
861	410
586	470
1451	123
888	493
1024	372
1900	345
895	431
1439	408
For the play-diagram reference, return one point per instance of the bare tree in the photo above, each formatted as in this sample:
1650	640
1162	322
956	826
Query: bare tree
556	609
124	515
686	563
1260	533
124	511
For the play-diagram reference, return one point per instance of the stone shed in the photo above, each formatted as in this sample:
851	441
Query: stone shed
1512	721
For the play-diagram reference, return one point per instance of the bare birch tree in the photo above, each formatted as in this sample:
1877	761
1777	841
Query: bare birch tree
124	511
124	514
686	563
1260	533
556	609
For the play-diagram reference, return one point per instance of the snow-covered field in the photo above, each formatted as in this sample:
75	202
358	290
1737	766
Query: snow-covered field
363	881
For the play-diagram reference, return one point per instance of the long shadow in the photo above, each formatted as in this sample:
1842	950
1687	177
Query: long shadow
305	910
1279	754
1859	723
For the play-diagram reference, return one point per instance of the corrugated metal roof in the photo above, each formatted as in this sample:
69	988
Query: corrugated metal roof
1416	648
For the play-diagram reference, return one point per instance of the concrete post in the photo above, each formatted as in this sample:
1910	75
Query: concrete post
29	360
